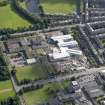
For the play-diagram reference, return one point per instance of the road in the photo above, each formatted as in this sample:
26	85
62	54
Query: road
44	30
56	79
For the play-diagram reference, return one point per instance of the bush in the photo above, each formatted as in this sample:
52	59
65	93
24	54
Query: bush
24	82
4	74
10	101
30	88
3	3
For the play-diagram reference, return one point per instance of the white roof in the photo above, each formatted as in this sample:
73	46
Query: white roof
70	43
103	71
76	52
65	52
30	61
80	68
61	37
71	51
61	40
59	55
64	41
55	50
63	49
74	83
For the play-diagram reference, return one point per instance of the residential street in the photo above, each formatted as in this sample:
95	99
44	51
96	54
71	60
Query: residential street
56	79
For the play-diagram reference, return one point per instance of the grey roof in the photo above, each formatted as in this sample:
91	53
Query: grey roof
93	89
25	42
54	101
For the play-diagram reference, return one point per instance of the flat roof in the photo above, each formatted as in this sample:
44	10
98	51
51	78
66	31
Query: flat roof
57	37
93	89
30	61
59	55
77	52
71	51
74	83
103	71
63	44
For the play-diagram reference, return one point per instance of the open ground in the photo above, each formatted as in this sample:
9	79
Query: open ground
33	72
43	94
6	90
58	6
9	19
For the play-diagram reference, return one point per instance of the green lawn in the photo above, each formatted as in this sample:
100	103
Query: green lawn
58	6
32	72
42	95
2	1
6	89
9	19
5	84
103	41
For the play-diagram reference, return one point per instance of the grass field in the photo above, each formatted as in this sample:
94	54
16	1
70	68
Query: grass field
58	6
42	95
33	72
6	90
9	19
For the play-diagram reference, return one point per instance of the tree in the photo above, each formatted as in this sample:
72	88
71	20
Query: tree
4	74
10	101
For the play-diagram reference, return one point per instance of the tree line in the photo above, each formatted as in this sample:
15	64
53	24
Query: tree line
10	101
4	74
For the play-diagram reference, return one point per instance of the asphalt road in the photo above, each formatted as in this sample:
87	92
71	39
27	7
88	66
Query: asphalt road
45	30
56	79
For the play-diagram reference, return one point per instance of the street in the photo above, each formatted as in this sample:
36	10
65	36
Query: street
57	79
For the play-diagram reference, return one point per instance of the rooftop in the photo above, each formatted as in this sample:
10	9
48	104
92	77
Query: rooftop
93	89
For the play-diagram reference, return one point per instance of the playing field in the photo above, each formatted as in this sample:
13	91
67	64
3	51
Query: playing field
33	72
42	95
58	6
9	19
6	90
